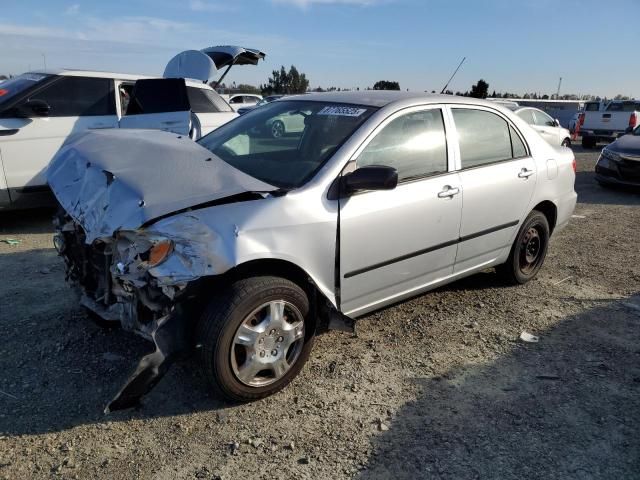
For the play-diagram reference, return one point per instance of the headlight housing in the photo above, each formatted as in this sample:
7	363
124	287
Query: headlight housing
610	155
159	252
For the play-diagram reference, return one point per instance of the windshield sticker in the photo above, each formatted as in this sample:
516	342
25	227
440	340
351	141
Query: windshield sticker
342	111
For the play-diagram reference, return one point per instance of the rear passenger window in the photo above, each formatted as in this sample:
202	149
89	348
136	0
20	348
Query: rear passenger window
200	102
519	150
484	138
413	144
527	116
78	97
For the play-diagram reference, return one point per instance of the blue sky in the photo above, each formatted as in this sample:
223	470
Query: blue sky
516	45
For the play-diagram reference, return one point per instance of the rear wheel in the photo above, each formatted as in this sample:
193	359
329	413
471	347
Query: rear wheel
255	337
528	250
566	143
588	142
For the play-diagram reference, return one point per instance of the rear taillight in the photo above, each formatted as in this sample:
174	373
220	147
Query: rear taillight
633	119
581	119
574	164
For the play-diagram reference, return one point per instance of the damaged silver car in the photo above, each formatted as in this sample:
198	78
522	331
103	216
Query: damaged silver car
244	246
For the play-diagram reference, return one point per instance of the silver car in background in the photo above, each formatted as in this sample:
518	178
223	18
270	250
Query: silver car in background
244	247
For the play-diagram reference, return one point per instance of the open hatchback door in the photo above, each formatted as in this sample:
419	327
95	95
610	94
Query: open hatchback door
167	103
204	64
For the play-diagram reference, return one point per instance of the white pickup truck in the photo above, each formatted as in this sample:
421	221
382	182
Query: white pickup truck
617	118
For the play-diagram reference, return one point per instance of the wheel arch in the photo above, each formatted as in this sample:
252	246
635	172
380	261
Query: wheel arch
275	267
549	210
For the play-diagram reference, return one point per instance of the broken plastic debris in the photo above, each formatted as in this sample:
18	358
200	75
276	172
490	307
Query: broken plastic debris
527	337
11	241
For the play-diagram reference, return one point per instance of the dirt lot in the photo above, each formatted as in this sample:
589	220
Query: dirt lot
438	387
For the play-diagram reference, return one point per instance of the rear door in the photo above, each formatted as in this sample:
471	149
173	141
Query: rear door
159	104
394	243
546	126
75	104
498	178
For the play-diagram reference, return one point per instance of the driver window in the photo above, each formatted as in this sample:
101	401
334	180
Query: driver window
414	144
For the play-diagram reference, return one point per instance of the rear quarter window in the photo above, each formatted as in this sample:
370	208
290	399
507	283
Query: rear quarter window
206	101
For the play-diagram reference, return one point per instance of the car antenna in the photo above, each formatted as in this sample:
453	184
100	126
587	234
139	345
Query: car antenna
454	74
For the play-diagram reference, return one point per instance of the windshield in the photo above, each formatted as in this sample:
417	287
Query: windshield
284	143
12	87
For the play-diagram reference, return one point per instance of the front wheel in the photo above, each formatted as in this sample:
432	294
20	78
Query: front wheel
528	250
255	337
277	129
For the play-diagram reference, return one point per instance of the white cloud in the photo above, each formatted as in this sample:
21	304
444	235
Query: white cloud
309	3
73	9
202	6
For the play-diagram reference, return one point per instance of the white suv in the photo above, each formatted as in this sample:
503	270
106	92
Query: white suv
39	111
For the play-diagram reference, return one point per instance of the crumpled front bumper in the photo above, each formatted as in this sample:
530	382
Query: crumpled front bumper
138	303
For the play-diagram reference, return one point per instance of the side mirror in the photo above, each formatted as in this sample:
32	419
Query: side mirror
556	122
374	177
38	107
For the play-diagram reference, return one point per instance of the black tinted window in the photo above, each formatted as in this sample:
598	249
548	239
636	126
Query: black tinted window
158	95
592	107
202	101
483	136
78	96
413	144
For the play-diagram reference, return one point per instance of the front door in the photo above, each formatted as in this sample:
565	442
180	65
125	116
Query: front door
159	104
498	178
28	144
394	243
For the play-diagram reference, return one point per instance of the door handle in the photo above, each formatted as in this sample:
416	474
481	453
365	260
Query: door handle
448	192
525	173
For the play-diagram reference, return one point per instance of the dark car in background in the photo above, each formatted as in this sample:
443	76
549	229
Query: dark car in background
619	162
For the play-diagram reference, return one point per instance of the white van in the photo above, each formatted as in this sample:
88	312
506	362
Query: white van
40	110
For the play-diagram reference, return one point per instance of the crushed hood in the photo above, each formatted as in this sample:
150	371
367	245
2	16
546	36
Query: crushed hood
109	180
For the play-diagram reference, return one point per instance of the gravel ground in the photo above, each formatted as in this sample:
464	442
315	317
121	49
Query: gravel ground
437	387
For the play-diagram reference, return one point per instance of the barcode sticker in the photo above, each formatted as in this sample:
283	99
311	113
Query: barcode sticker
342	111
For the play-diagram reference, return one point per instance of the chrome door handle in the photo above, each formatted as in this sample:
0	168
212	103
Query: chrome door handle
448	192
525	173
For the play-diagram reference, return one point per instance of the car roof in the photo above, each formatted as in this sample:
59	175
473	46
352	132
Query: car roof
382	98
68	72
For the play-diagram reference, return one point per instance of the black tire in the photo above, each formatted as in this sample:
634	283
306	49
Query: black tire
222	318
588	142
566	143
528	250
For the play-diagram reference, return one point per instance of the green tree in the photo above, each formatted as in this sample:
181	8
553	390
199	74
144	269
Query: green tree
480	89
245	88
282	82
386	85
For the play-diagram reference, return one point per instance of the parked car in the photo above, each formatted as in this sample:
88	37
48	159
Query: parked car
264	101
262	243
619	162
607	125
547	127
244	100
40	110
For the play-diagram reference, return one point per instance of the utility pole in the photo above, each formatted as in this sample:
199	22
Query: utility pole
44	60
558	92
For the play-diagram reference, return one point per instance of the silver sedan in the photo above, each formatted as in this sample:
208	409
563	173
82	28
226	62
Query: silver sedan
242	247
